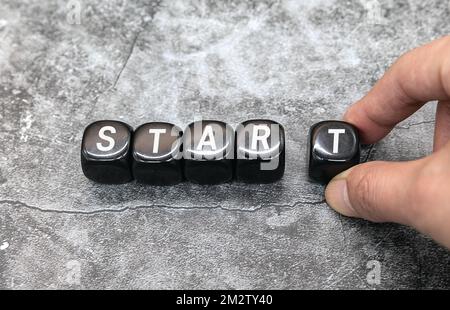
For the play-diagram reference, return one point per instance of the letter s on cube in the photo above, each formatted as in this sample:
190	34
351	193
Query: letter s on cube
106	152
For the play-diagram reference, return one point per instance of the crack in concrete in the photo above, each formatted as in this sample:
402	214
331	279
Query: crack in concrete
386	235
20	204
116	80
344	237
408	126
369	153
130	52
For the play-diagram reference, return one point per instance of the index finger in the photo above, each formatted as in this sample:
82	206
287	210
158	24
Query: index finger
417	77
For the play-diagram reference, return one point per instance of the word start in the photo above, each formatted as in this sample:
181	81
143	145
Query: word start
210	152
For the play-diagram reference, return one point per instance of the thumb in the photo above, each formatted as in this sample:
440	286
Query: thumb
376	191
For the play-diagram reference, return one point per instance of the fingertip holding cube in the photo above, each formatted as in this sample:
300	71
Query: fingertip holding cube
260	151
333	147
105	152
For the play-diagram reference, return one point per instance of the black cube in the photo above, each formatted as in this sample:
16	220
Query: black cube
260	151
106	152
157	154
208	152
333	147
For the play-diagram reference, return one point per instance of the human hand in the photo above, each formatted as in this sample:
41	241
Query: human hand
415	193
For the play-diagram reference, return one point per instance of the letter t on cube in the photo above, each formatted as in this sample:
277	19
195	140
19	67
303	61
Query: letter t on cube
333	146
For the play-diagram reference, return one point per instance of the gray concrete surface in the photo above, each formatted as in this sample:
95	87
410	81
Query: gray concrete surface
297	62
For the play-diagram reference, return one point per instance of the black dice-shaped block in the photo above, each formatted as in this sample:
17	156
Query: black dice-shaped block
333	147
106	152
208	152
157	154
260	151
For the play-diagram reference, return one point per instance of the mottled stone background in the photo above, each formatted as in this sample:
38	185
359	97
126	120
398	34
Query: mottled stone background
64	64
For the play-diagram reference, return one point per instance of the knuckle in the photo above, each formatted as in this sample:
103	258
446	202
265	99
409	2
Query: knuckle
362	193
423	191
444	50
420	192
445	73
447	40
429	190
427	185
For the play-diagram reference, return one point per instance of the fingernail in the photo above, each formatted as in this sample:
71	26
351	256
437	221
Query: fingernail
336	195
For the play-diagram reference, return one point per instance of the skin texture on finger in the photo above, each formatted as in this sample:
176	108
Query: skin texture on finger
431	203
414	193
442	125
376	191
417	77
